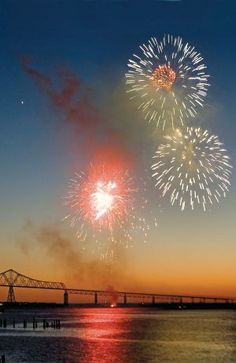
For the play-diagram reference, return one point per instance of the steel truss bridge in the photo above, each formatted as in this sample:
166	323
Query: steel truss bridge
12	279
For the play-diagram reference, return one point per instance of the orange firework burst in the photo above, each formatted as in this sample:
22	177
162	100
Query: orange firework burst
163	77
104	196
106	208
101	204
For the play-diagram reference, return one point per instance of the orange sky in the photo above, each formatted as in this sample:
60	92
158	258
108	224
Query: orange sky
175	260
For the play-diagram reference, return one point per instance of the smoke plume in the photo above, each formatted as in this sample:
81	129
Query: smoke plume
65	255
71	97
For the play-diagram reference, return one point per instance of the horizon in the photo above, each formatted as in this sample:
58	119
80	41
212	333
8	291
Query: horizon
77	61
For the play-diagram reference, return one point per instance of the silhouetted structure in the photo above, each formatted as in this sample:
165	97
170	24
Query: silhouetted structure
13	279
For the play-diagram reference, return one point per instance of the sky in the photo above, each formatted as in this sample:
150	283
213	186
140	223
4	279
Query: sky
189	252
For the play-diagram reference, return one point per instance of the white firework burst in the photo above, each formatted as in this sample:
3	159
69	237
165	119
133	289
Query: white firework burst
169	80
191	168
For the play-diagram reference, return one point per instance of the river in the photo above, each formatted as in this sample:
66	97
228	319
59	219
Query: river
120	335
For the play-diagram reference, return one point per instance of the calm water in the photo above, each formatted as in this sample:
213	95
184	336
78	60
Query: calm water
122	336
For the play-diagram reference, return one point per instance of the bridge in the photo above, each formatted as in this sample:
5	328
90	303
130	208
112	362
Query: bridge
12	279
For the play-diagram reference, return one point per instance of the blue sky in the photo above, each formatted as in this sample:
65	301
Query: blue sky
95	39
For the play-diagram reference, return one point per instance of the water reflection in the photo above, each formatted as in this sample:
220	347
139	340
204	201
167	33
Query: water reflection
123	335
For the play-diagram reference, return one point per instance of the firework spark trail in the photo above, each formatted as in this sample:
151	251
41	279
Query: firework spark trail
102	199
169	80
191	168
103	208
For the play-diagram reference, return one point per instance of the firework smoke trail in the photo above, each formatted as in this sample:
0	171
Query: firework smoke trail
169	80
102	204
192	167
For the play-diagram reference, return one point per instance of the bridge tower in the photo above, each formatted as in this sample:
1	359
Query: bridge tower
13	279
66	298
95	298
11	295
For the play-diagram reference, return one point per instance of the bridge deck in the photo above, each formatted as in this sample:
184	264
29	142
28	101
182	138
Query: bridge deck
13	279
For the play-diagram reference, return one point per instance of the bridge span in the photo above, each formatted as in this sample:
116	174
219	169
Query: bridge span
12	279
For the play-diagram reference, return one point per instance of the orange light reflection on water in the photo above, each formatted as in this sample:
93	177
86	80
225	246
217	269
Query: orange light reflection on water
102	332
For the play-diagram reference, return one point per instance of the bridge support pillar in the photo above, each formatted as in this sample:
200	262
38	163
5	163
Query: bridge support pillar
66	298
125	299
11	295
153	300
96	298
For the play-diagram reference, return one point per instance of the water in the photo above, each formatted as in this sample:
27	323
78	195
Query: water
122	335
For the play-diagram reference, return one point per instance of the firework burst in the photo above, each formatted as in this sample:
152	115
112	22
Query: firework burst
192	168
169	80
103	209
